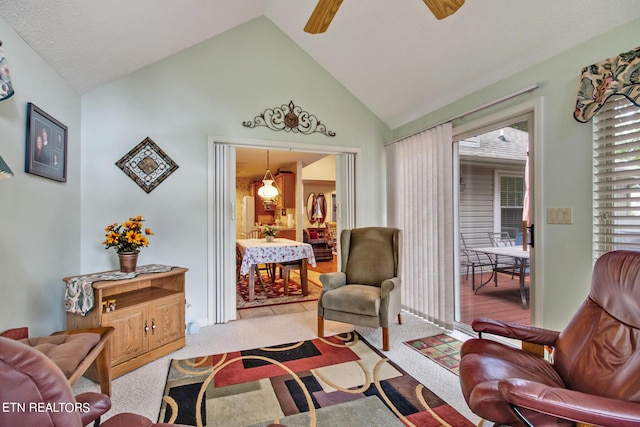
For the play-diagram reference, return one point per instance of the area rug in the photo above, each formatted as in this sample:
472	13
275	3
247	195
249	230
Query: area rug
273	293
442	349
336	381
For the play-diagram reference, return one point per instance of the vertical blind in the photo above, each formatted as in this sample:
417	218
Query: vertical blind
616	176
420	189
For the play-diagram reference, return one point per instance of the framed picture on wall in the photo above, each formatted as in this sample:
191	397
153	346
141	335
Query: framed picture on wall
46	154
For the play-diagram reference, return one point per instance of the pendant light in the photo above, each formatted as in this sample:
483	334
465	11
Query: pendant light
268	192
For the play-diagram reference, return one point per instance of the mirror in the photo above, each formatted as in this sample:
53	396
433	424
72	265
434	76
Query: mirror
311	204
321	208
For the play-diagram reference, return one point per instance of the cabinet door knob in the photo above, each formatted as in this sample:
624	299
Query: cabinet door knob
146	328
153	326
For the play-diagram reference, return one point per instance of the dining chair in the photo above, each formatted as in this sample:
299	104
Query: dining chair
257	234
285	272
239	264
252	234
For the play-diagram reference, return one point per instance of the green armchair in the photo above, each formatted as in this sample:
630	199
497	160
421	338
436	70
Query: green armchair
366	290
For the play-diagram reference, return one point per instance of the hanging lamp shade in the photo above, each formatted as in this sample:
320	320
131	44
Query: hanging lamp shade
268	192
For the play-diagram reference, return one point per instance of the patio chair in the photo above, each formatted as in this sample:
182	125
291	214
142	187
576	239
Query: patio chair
504	264
474	260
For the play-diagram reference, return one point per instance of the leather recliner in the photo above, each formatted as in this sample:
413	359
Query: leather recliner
35	392
594	378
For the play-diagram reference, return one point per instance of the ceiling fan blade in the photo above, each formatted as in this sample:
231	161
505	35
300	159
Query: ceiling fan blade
443	8
322	15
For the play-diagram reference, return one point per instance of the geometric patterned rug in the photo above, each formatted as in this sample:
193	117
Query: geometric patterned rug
334	381
442	349
272	293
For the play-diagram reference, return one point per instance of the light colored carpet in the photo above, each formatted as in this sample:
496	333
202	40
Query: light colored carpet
141	391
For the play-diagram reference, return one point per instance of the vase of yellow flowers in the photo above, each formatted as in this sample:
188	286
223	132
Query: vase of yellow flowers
269	232
127	239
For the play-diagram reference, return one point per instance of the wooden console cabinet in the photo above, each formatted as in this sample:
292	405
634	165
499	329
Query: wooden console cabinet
149	318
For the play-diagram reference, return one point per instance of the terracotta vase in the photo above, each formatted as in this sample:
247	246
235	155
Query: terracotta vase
128	261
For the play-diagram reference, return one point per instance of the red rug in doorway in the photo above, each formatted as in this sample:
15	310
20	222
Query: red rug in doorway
272	293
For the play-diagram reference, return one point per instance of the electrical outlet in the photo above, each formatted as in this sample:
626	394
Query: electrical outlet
560	216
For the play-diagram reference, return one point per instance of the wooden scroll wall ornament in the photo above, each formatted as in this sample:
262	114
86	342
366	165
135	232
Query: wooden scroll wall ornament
289	118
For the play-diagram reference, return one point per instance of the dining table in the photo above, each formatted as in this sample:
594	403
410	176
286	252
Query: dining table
516	252
260	251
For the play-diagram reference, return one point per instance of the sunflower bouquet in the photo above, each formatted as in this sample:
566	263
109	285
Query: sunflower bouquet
128	236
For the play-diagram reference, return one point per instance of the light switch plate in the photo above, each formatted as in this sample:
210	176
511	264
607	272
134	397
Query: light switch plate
560	216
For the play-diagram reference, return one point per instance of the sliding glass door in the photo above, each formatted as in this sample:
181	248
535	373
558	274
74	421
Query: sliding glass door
493	208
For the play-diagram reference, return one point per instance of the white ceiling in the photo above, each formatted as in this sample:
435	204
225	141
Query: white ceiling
393	55
252	162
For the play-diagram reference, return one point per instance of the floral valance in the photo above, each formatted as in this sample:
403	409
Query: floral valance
619	75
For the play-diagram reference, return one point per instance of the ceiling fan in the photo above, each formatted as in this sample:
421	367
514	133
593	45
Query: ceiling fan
326	9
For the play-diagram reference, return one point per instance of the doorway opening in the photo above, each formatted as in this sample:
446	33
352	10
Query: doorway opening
223	210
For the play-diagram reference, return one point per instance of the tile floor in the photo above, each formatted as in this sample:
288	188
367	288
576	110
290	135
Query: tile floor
273	310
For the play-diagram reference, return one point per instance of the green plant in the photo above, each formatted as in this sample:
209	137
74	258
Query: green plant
269	230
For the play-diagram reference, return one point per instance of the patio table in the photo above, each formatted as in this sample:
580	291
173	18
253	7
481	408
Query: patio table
516	252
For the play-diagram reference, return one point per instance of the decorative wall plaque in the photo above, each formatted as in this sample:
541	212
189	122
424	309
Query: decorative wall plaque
290	118
147	165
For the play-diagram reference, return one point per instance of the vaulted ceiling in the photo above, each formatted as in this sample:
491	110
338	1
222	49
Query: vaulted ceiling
393	55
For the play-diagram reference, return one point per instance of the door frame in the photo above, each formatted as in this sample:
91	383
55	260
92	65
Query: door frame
532	106
221	168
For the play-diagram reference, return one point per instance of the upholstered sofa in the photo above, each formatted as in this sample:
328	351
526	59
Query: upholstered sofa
321	249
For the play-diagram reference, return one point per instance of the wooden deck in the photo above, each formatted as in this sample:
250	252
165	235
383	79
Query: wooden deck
500	303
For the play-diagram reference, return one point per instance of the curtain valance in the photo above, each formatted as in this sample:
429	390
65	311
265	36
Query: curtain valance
619	75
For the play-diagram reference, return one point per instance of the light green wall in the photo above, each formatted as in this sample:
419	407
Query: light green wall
209	89
39	218
564	251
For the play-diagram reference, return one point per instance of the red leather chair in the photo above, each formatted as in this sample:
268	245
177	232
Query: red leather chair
35	392
594	378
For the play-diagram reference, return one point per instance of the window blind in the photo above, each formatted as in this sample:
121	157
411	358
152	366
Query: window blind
420	200
616	179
